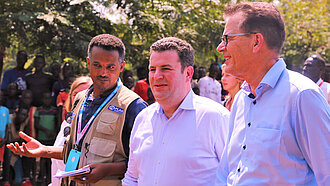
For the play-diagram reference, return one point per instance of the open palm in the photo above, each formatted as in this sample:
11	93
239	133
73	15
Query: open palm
32	147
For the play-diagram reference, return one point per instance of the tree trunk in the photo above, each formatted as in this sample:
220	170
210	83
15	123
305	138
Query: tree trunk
2	55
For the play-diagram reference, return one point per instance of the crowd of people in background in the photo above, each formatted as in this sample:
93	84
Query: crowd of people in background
39	103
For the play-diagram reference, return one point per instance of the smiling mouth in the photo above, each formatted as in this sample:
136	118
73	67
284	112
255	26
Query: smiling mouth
160	85
227	58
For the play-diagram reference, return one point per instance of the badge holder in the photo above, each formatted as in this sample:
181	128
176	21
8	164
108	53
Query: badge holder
73	160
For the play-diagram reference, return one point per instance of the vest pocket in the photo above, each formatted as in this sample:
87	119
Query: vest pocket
107	123
101	150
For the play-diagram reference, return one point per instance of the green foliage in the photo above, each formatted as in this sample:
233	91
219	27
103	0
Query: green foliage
62	29
307	28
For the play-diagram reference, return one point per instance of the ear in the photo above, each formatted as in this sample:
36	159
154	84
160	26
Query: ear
88	63
258	42
189	72
122	66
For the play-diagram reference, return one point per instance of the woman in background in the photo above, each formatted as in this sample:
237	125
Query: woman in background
80	84
230	84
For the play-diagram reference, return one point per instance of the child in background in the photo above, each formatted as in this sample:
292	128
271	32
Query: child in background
12	99
19	122
45	119
4	122
29	164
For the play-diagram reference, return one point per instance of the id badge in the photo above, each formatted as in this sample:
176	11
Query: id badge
73	160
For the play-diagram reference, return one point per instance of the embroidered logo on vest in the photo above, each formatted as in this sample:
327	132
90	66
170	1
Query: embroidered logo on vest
116	109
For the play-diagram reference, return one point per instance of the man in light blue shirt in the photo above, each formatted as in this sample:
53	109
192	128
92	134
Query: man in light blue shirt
179	139
280	122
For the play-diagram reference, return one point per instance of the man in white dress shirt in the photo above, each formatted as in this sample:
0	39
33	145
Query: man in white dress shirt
179	139
314	67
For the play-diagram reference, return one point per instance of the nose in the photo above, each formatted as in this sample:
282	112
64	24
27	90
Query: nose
221	47
103	71
158	74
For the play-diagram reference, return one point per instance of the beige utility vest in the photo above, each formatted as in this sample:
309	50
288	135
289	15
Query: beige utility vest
103	143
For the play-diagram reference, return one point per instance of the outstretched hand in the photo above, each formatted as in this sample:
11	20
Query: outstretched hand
32	147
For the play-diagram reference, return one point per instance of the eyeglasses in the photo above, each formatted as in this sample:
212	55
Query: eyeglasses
224	38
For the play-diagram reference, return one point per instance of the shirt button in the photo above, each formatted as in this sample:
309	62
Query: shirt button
163	142
158	162
249	124
155	182
238	170
244	147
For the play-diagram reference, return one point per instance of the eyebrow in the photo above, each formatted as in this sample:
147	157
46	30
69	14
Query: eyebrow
161	66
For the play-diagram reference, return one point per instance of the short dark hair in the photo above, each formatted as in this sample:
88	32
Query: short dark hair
41	57
108	42
320	61
261	17
183	48
21	52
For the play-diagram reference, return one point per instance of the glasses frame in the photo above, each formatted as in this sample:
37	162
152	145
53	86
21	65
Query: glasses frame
224	38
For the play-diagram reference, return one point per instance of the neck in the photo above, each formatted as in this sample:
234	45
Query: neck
38	72
19	68
169	107
233	91
46	106
315	79
262	65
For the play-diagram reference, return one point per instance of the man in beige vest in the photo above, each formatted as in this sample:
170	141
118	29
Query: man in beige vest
102	119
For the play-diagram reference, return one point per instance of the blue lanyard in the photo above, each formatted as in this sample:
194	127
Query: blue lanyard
80	133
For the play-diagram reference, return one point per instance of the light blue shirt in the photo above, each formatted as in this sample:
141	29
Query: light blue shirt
4	120
182	150
281	137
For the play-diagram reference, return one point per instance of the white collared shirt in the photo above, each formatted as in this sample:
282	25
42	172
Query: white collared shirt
182	150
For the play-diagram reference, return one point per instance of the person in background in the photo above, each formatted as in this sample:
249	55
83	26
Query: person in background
80	84
194	81
142	85
208	86
314	67
230	84
179	139
201	72
4	122
128	79
19	123
55	70
279	120
29	164
39	82
64	83
45	118
16	74
12	97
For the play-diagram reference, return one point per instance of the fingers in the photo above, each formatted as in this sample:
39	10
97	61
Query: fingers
25	137
81	179
13	148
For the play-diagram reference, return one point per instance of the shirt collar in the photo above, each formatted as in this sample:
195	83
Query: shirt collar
319	82
269	80
187	103
103	95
